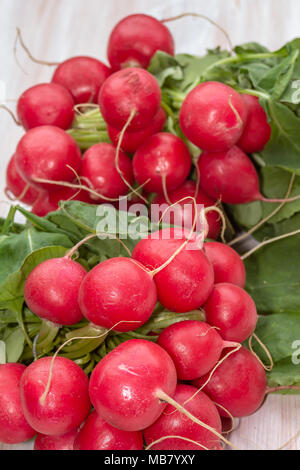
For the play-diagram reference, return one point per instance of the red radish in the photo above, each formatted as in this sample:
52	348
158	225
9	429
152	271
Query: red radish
98	171
47	104
228	265
83	77
125	386
14	428
16	185
238	384
186	217
47	152
135	40
133	140
213	116
67	403
48	202
186	283
97	434
194	346
118	290
64	442
232	311
51	290
173	423
161	156
257	132
131	90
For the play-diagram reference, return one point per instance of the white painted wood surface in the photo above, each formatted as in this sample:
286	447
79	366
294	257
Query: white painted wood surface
57	29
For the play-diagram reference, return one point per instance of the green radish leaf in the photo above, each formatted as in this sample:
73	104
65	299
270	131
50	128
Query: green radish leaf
246	215
14	344
275	230
165	68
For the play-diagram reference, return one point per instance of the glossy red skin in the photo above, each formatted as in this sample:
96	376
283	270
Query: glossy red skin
135	40
118	290
186	283
83	76
133	140
99	167
67	403
257	132
97	434
47	104
14	428
207	118
173	423
228	265
44	152
123	385
49	202
162	154
128	90
16	185
51	290
64	442
232	311
189	189
194	346
229	176
238	384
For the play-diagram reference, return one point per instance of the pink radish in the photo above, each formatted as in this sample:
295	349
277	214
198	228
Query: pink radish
133	140
97	434
186	283
83	77
48	202
118	293
67	403
46	104
98	171
47	153
64	442
213	116
231	309
257	131
51	290
125	386
162	155
133	94
17	186
173	423
135	40
238	384
14	428
228	265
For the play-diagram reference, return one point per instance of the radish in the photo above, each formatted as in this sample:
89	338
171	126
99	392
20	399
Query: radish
132	95
173	423
51	290
228	265
231	309
213	116
49	202
126	385
131	141
194	346
64	442
46	104
238	384
180	216
98	171
14	428
83	77
162	156
17	186
67	403
135	40
119	294
97	434
47	153
257	132
186	283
